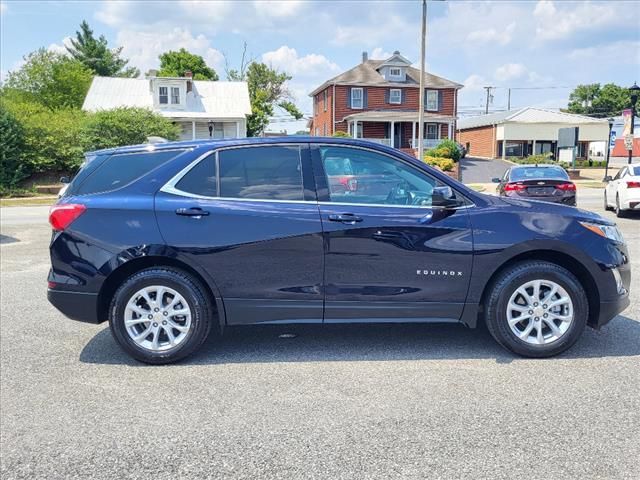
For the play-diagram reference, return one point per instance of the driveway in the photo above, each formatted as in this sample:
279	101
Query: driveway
479	170
338	402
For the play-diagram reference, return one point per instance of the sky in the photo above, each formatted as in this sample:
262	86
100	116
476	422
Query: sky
539	49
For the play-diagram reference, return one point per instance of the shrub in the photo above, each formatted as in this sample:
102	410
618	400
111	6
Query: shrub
444	164
126	126
533	159
446	149
341	134
11	148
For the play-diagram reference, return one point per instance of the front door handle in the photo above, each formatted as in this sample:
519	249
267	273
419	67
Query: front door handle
195	212
348	218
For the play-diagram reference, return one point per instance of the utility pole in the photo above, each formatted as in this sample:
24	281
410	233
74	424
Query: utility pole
422	67
486	108
509	99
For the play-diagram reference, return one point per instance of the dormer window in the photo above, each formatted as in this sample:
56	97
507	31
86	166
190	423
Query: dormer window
163	95
395	72
175	95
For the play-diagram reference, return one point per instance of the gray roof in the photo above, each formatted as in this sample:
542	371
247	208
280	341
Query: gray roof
526	115
366	74
208	100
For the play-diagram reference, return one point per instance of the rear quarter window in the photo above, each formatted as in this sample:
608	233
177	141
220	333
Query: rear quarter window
120	169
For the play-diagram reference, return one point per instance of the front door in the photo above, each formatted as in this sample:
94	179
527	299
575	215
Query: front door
390	255
248	217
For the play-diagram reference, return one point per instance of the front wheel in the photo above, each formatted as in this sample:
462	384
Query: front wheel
160	315
536	309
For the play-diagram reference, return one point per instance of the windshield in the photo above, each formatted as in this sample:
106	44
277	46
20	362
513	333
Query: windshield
531	173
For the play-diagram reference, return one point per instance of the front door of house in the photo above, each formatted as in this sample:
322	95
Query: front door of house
397	135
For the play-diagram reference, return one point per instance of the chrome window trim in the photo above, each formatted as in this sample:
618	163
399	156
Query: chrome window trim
170	188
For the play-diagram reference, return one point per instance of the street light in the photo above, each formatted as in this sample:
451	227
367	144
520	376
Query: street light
633	93
608	147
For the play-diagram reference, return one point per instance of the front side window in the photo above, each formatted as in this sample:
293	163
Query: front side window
356	98
163	95
201	179
432	100
264	173
365	177
121	169
175	95
395	95
431	132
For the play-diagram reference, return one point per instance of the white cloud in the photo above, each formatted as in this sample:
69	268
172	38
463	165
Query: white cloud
287	59
510	71
142	48
502	36
58	48
278	8
379	53
474	82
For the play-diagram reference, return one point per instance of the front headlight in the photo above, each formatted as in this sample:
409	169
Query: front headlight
607	231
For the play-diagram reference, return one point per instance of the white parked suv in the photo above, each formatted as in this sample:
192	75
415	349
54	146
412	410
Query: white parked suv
622	192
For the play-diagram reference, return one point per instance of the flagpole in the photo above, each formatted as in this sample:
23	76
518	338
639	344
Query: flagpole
422	68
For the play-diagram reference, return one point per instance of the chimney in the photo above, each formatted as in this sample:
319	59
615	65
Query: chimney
365	57
152	73
189	76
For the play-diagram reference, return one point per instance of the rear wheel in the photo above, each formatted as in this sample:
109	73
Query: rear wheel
160	315
606	202
619	212
536	309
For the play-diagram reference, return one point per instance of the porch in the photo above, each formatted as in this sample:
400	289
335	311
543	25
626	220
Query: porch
400	129
202	129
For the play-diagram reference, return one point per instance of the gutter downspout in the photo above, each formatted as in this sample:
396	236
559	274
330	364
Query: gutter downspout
333	110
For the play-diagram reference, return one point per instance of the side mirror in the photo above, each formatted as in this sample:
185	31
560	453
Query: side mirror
496	180
608	178
64	180
444	197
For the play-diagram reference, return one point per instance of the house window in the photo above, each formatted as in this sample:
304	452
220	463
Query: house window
356	98
325	100
357	133
432	100
175	96
163	95
395	95
431	132
394	72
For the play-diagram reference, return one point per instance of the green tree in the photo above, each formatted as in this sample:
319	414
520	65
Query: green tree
126	126
267	90
96	55
51	79
594	100
175	63
11	149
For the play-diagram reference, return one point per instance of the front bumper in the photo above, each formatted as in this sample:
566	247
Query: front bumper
608	310
79	306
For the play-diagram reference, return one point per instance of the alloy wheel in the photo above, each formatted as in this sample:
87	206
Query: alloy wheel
157	318
540	312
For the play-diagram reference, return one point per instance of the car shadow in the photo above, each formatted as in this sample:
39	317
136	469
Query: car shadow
349	343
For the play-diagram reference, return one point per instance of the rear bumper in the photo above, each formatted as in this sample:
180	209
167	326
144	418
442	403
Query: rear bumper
79	306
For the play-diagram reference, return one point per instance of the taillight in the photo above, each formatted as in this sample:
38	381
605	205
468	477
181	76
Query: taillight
514	187
633	184
567	187
61	216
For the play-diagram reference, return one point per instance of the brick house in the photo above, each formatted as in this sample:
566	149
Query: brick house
378	100
527	131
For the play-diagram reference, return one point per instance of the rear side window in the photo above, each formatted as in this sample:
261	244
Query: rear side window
201	179
267	173
121	169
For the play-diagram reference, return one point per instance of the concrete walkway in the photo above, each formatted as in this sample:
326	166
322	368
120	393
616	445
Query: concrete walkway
478	170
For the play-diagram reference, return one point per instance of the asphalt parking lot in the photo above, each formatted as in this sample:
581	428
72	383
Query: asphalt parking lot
336	402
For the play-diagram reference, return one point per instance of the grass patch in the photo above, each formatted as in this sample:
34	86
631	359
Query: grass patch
27	201
478	187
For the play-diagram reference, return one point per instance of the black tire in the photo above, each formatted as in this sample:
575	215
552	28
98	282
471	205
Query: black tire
190	289
606	205
506	284
619	212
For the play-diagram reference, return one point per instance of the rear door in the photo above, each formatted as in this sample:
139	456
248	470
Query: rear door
390	255
248	216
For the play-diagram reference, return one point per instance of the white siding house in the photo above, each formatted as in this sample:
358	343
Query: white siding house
203	109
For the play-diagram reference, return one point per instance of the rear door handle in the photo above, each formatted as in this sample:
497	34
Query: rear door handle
196	212
348	218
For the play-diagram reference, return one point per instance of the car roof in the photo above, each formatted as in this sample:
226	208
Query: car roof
537	165
215	143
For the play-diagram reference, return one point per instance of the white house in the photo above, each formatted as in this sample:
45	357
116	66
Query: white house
203	109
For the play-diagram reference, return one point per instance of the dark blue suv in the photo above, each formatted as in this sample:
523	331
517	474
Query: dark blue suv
168	241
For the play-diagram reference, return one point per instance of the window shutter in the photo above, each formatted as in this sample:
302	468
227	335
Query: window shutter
387	93
365	102
349	97
440	92
402	96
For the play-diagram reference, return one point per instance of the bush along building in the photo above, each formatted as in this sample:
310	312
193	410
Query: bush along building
378	100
